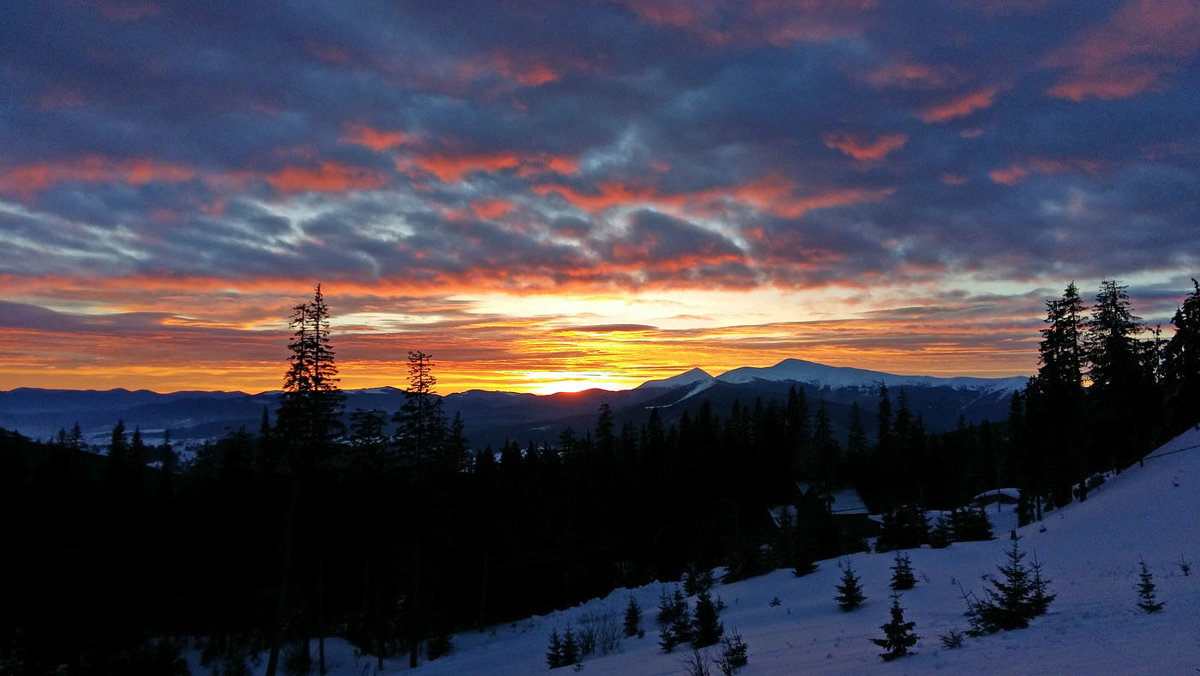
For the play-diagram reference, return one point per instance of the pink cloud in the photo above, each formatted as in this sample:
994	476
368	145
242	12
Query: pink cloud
452	168
960	106
27	180
779	23
325	177
911	75
1010	175
375	139
1017	172
1134	51
525	70
864	148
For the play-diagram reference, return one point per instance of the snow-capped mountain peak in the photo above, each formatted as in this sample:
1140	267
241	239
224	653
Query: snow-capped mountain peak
798	370
693	377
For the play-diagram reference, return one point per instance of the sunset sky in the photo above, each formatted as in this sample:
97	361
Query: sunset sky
552	195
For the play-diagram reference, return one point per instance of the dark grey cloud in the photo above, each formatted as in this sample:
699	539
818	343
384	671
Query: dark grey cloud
219	139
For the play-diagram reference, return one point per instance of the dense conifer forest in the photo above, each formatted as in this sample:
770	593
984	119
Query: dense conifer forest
389	529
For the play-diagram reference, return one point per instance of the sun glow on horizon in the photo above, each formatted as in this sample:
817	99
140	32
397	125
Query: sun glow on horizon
557	382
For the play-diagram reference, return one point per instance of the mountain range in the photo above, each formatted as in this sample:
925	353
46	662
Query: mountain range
491	418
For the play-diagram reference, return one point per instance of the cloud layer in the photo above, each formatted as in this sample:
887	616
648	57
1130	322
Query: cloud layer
482	177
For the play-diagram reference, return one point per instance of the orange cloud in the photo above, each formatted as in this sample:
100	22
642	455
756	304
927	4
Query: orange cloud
864	148
522	70
1016	173
779	23
1133	52
1046	165
960	107
30	179
375	139
768	196
1010	175
327	176
558	163
771	193
609	194
452	168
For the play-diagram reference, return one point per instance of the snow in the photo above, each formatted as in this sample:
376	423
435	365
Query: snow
696	376
798	370
988	497
848	501
1090	552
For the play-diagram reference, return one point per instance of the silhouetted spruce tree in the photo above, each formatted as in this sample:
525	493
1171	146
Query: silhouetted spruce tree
857	448
970	524
308	420
570	650
904	527
1121	385
850	593
422	423
902	573
118	452
1013	600
554	651
633	618
367	456
1039	596
799	436
884	467
942	533
1055	417
706	625
1147	599
826	452
1181	363
674	622
734	653
794	545
898	633
309	415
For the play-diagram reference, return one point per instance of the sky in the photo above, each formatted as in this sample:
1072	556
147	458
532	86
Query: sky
548	196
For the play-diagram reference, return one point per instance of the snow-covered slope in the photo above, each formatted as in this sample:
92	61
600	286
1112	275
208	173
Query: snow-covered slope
801	371
695	376
1090	551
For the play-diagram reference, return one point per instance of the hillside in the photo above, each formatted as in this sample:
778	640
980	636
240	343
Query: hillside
1090	551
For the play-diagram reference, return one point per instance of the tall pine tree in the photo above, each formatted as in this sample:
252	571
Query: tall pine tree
308	421
1181	367
1122	388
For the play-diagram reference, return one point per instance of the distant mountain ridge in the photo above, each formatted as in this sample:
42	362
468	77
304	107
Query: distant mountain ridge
800	371
493	417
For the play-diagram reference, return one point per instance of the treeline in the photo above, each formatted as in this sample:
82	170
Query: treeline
386	528
1109	389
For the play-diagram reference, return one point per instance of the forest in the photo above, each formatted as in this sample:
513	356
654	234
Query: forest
389	529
